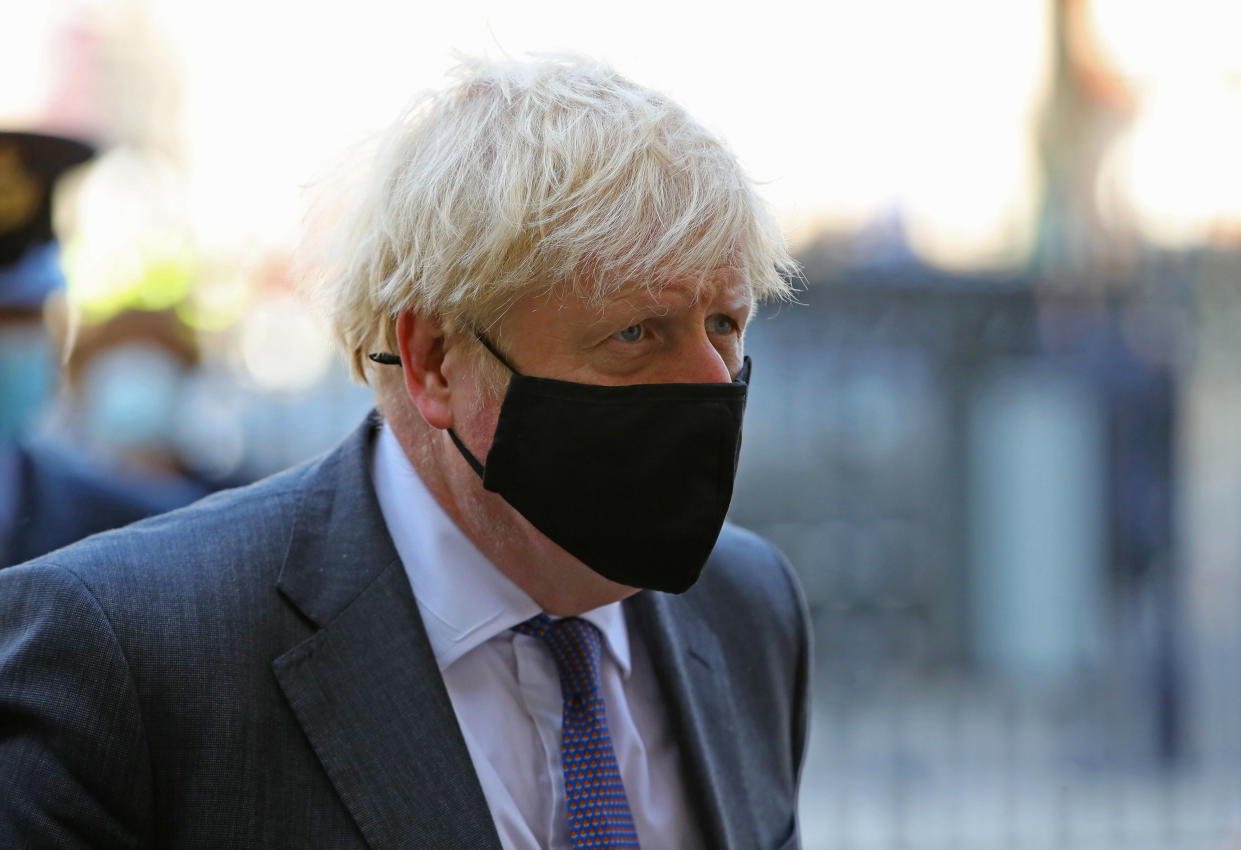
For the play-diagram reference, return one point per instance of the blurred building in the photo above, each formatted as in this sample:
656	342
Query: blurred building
993	489
1012	490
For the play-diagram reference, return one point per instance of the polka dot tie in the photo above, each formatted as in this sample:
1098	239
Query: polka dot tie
599	815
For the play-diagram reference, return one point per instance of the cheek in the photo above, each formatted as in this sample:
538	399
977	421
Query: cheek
493	380
731	351
478	412
477	385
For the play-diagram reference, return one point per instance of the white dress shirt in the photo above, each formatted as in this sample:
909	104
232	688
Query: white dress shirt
505	688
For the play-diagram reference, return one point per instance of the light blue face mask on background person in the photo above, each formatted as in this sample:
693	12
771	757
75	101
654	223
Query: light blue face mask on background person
27	376
130	394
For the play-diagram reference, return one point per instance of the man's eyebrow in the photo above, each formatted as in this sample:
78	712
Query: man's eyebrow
742	303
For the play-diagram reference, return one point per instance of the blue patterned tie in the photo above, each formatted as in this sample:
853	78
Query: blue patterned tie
599	815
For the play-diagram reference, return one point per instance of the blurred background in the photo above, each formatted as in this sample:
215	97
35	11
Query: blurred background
998	438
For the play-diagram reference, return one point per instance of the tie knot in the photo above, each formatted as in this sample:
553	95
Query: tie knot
536	626
576	646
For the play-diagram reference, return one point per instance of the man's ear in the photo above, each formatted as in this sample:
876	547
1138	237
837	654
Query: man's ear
421	341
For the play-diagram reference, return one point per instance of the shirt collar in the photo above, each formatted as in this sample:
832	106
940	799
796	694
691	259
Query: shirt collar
464	600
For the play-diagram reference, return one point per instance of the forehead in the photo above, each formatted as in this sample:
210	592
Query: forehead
605	299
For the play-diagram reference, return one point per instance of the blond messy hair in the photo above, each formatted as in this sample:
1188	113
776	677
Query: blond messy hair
533	175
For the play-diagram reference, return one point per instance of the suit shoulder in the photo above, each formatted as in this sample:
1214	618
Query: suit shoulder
748	577
747	563
750	599
173	590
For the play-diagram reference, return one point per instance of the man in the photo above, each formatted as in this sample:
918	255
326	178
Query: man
48	498
479	622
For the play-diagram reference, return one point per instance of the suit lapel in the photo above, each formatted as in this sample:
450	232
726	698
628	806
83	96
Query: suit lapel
365	686
693	679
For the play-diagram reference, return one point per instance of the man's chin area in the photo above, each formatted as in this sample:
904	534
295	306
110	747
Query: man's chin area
568	587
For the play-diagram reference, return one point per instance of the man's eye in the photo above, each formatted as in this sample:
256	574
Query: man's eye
633	333
720	324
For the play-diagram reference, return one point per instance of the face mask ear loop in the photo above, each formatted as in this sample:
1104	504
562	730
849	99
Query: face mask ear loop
389	359
465	453
456	441
497	355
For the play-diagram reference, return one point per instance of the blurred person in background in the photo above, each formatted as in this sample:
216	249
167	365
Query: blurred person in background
124	377
506	612
130	392
49	497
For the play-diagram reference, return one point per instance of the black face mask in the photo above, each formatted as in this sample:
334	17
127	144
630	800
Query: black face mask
633	481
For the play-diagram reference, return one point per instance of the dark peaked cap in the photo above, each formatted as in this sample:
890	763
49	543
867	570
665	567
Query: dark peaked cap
30	164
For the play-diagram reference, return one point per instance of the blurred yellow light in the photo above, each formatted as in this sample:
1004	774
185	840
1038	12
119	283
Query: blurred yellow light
842	110
979	213
1177	172
1154	41
970	183
25	43
218	301
283	347
132	247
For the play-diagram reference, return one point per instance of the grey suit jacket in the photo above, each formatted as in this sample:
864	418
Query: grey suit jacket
252	671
